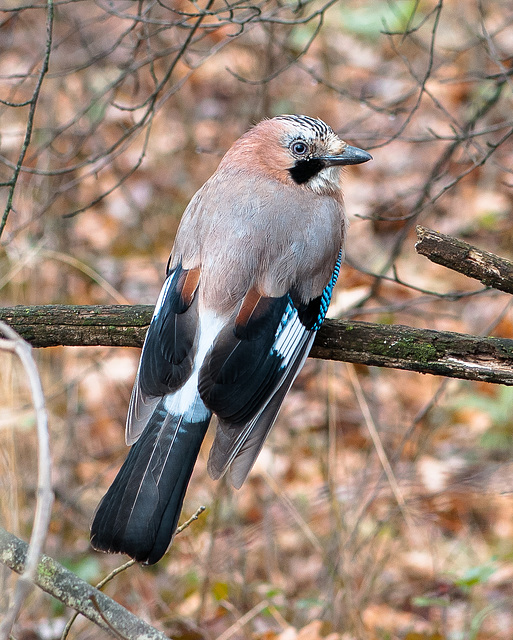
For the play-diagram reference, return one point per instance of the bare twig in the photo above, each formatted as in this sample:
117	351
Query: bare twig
88	271
378	445
30	118
192	519
100	585
44	500
243	620
126	566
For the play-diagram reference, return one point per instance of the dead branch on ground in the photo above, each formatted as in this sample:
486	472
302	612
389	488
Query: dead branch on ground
74	592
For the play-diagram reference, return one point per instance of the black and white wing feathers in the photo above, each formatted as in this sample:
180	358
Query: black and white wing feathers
250	369
167	357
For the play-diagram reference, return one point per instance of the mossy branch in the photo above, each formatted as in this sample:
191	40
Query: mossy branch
74	592
436	352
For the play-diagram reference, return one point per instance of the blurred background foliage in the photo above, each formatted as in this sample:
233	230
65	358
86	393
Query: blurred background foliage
100	153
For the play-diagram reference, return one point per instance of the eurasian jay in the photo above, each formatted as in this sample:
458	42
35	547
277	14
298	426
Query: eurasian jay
249	281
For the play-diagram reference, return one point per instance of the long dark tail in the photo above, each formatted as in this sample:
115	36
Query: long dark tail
139	513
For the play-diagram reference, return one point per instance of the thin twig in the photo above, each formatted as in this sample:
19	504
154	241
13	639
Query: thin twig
247	617
44	487
30	118
126	566
188	522
88	271
100	585
300	521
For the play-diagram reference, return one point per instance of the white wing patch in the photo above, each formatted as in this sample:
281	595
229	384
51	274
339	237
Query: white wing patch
288	336
141	407
292	344
186	400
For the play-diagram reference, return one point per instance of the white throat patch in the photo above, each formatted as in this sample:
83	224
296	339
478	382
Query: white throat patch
326	181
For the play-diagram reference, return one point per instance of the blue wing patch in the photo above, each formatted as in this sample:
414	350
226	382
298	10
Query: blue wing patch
251	357
312	314
327	293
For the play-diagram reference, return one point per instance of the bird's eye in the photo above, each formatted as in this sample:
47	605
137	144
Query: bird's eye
299	148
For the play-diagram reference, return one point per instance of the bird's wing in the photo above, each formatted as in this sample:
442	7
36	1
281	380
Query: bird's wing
247	374
167	357
238	448
251	367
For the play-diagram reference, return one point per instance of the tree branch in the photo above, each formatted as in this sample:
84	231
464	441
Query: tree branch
426	351
74	592
491	270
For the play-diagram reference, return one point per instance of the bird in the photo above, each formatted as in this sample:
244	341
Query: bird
248	284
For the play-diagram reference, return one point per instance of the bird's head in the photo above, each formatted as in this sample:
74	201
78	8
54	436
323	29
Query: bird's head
296	150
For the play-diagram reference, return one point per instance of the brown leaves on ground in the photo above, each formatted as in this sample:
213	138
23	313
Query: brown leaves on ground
320	543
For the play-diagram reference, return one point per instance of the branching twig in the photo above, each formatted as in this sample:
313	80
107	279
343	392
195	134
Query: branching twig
100	585
126	566
30	118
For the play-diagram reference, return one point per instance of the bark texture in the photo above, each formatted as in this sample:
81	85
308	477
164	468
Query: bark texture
441	353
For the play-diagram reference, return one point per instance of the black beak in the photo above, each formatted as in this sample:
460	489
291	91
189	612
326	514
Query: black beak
350	155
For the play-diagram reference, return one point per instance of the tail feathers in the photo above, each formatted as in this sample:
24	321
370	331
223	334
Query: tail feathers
139	513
